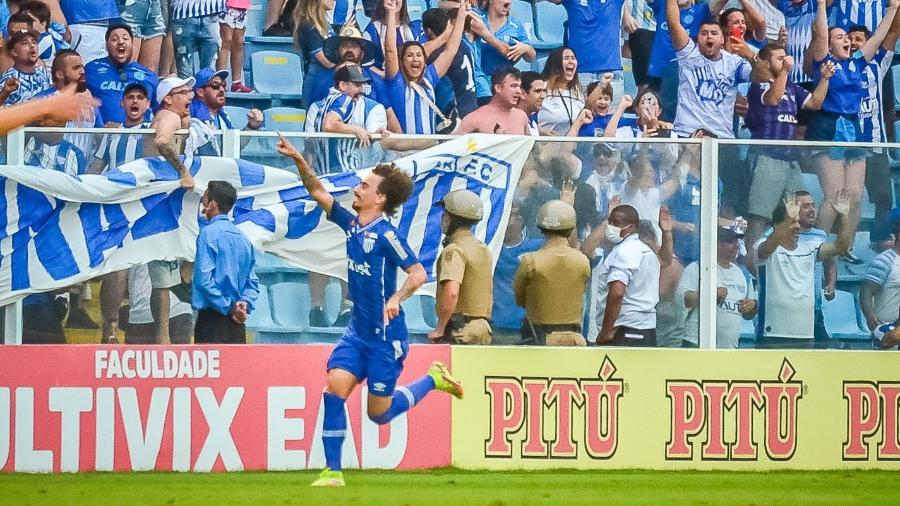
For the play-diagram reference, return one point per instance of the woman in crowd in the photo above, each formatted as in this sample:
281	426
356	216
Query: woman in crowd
410	79
312	28
565	98
503	41
405	30
647	106
838	120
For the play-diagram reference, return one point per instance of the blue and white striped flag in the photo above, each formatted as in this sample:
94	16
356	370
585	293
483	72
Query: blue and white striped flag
62	230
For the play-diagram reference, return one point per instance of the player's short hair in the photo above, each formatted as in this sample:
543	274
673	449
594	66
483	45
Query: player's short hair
59	62
395	185
859	28
766	52
39	9
223	194
435	20
119	26
629	215
606	90
528	78
723	17
499	76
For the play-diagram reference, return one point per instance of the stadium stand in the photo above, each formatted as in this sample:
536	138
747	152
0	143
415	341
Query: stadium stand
551	20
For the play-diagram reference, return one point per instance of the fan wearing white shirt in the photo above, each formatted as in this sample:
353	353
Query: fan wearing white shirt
708	76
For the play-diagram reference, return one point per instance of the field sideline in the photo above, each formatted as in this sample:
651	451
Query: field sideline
455	487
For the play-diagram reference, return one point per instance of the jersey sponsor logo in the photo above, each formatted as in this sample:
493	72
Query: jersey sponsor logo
112	85
395	243
518	406
723	418
361	268
786	118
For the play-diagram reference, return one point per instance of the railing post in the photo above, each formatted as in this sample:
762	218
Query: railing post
709	215
12	313
231	143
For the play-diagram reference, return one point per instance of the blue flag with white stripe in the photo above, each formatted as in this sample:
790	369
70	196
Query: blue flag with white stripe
62	230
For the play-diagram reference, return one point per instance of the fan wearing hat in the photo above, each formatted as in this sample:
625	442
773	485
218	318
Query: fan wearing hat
349	47
107	77
465	288
27	77
735	295
174	113
550	283
209	101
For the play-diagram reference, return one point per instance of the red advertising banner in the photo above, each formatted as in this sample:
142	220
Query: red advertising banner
198	408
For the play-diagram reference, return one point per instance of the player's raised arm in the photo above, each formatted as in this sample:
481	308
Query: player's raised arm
307	175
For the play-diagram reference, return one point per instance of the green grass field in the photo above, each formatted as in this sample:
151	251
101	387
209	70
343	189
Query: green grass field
455	487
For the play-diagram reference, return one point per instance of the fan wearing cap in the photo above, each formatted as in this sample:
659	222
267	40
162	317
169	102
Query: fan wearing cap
107	77
28	76
117	149
550	283
735	295
208	105
174	113
464	295
347	111
629	284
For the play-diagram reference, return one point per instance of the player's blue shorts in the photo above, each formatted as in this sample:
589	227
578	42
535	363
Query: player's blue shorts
378	360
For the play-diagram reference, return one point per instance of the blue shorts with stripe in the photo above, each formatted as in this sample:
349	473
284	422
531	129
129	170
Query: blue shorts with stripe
379	360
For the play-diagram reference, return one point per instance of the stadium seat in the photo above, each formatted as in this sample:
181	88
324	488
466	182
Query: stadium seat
523	11
630	86
261	317
862	249
237	115
551	19
539	64
276	73
290	305
415	319
286	119
362	21
842	317
415	8
256	18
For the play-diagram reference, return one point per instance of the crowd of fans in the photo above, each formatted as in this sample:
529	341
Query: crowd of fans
764	69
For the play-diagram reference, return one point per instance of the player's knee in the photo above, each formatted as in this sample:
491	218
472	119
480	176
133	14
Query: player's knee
380	418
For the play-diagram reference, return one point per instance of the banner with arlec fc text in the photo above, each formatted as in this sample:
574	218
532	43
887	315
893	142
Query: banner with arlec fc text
537	408
198	408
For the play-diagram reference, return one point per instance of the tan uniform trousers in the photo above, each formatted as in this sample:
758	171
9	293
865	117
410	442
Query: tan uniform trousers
565	338
476	331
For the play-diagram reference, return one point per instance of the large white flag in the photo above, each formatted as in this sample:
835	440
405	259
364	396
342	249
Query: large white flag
62	230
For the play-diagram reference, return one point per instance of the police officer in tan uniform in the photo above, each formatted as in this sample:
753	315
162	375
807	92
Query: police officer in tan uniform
551	282
464	275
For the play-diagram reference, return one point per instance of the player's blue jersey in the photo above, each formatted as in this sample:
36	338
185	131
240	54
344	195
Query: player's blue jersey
374	253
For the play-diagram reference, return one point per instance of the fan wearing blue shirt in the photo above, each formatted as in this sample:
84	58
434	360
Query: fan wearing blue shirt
88	20
594	27
224	286
374	346
503	42
411	80
108	77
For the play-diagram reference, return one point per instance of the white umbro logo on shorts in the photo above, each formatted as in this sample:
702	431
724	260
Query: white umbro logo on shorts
378	387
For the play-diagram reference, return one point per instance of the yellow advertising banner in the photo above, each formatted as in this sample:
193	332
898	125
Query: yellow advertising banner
539	408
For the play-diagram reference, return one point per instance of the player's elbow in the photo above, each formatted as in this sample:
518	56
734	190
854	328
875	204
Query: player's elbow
417	275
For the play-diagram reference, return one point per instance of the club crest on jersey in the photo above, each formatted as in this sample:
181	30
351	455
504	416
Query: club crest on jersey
368	244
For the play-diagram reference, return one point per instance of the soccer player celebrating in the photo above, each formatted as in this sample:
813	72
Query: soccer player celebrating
374	345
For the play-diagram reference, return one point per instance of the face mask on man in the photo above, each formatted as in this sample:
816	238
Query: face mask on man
613	234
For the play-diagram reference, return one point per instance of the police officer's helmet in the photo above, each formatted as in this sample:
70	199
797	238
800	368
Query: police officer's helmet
464	204
556	215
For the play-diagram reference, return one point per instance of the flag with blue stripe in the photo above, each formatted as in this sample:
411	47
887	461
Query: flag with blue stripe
62	229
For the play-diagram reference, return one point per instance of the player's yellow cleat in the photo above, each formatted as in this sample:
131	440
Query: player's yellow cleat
329	478
444	382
